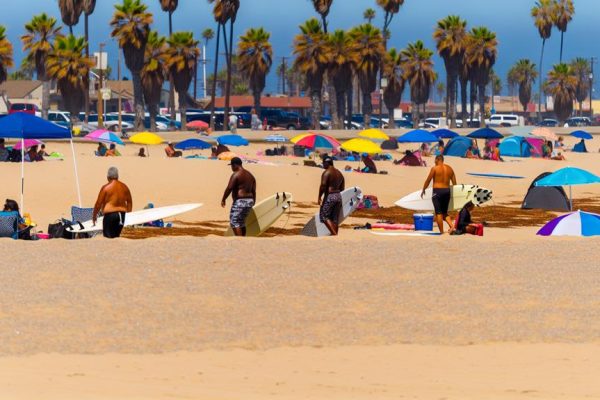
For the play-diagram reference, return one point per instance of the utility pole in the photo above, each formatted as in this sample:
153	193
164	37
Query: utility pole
120	91
592	61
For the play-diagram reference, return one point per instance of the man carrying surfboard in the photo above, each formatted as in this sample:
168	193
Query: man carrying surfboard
114	200
332	184
442	176
242	188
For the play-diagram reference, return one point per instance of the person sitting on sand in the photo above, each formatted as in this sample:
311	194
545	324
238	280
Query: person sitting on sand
142	152
464	224
469	153
242	188
101	150
370	167
475	149
112	151
496	154
559	144
4	153
439	148
487	152
547	149
425	150
171	152
32	155
24	230
330	198
442	176
42	153
114	200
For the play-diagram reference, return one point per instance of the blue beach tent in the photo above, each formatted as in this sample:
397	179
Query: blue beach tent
457	147
515	146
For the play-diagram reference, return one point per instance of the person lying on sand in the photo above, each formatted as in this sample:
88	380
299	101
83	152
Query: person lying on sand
464	224
332	184
442	176
242	188
114	200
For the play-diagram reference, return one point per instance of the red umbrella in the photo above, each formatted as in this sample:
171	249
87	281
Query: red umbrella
197	124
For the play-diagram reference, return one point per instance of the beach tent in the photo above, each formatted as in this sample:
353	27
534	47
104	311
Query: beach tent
457	147
569	176
545	198
25	126
580	147
515	146
391	144
536	146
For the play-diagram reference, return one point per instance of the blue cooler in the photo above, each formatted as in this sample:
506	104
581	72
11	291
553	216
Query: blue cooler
423	222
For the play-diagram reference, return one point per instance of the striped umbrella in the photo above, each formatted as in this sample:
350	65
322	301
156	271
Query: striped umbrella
104	136
315	141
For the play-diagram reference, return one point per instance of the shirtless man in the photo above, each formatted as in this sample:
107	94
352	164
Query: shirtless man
242	187
332	184
442	176
114	200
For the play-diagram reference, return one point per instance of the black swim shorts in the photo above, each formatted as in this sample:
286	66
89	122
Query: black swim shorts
441	201
112	224
331	207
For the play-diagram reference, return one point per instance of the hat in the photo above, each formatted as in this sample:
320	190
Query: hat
235	161
328	160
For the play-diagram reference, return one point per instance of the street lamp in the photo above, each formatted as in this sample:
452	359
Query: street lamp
383	83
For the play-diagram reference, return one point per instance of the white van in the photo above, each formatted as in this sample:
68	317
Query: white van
505	120
434	123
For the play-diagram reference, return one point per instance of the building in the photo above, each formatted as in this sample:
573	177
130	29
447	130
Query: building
20	91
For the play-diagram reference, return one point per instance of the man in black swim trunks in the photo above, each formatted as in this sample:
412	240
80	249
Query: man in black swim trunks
332	184
242	187
114	200
442	176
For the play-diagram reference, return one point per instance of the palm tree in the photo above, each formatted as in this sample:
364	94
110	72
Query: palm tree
6	55
390	8
523	74
562	85
481	53
154	73
440	88
392	94
42	30
544	15
312	58
68	65
88	7
181	59
169	6
496	85
368	44
419	73
255	58
70	11
342	64
369	15
131	26
322	8
450	36
581	69
563	12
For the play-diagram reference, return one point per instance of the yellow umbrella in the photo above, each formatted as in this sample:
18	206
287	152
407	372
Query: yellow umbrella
360	145
374	134
146	138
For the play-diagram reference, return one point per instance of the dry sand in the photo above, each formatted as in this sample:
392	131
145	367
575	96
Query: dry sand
509	315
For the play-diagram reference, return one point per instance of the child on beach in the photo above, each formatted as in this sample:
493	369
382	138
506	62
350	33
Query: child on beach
464	223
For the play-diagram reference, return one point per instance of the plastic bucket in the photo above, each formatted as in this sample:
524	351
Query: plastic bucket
423	222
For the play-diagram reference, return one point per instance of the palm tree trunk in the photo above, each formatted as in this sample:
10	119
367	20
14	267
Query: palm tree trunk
349	105
451	93
171	87
138	97
392	122
214	82
86	79
152	110
481	90
256	94
415	114
315	98
472	99
463	99
340	100
541	81
45	97
183	109
367	109
229	68
562	38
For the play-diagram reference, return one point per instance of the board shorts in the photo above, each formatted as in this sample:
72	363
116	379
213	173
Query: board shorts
441	201
239	211
112	224
331	207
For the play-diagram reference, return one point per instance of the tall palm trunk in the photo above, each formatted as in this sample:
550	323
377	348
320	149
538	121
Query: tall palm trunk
463	98
481	90
171	86
415	114
183	109
472	99
214	82
152	110
229	67
139	105
562	38
367	108
256	94
349	105
315	98
45	97
451	95
340	100
86	79
541	81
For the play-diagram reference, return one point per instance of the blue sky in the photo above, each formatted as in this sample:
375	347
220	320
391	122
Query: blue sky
510	19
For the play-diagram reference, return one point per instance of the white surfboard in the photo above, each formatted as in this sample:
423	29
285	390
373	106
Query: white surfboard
350	199
138	217
265	213
461	195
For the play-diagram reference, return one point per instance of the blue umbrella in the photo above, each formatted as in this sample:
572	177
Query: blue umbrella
582	135
569	176
193	144
418	136
485	133
444	133
232	140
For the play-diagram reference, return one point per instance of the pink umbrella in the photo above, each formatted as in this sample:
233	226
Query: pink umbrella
197	124
28	143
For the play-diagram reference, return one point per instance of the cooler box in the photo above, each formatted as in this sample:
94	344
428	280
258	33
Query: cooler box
423	222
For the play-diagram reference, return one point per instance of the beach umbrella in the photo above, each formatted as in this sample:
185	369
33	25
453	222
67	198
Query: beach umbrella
193	144
582	135
197	124
275	138
579	223
27	143
418	136
232	140
569	176
485	133
316	141
444	133
545	133
104	136
360	145
374	134
146	138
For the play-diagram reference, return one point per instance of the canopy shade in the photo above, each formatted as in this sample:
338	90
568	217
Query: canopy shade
26	126
444	133
485	133
582	135
418	136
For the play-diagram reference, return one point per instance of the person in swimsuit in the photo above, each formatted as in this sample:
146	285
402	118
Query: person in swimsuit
242	187
442	176
114	200
332	184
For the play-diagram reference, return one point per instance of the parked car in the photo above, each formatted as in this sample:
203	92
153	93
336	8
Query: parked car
111	122
433	123
326	123
130	118
61	118
26	108
359	119
577	121
505	120
548	122
284	119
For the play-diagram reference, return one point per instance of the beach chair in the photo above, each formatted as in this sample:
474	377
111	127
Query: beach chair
80	215
9	224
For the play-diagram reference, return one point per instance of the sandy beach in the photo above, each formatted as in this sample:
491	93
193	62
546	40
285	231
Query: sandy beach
509	315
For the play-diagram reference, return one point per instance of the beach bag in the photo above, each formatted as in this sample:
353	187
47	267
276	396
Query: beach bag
58	230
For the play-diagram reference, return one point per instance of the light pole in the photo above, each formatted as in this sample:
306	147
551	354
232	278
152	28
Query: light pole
384	84
99	96
592	61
